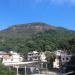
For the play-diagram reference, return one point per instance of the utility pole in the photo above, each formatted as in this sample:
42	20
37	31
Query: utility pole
25	70
17	70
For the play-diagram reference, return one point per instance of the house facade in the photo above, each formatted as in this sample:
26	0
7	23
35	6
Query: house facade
12	57
62	57
39	57
43	57
33	56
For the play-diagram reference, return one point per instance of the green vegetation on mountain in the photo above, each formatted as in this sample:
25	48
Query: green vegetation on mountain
36	36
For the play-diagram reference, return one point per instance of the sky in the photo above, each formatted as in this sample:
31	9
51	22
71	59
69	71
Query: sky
59	13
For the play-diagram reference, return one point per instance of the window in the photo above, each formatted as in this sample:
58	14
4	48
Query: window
67	58
63	58
12	59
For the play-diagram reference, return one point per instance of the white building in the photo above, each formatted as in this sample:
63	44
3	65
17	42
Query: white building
12	57
56	64
61	58
33	56
43	57
39	57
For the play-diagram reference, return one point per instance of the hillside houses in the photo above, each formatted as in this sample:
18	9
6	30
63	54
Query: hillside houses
61	57
14	57
35	60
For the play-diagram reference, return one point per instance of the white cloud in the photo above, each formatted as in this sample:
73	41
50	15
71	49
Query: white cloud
70	2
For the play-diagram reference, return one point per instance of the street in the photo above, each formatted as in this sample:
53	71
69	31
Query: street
49	73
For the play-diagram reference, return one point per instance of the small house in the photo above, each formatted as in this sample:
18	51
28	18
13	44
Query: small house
12	57
61	58
33	56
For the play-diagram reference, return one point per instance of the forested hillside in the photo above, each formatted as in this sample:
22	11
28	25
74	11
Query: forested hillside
36	36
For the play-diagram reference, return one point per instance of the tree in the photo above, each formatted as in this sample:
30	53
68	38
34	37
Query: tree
5	70
72	45
50	56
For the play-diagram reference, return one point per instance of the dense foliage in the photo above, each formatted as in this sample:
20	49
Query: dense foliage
6	71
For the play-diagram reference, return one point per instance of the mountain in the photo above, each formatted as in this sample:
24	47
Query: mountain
25	30
19	37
